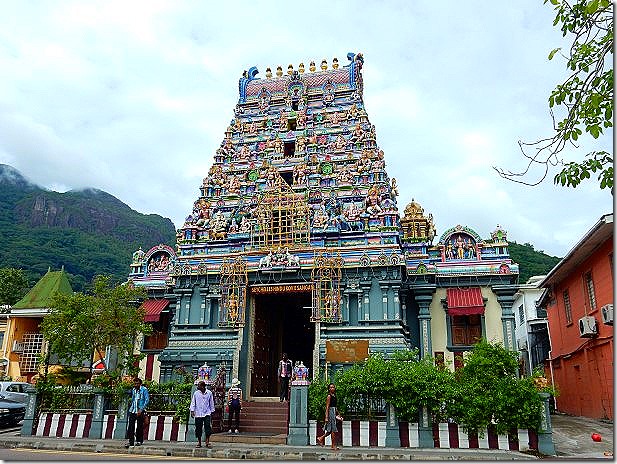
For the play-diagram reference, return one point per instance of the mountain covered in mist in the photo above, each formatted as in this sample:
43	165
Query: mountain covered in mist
87	231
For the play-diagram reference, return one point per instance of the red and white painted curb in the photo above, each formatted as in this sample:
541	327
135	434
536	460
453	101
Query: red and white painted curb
445	435
162	428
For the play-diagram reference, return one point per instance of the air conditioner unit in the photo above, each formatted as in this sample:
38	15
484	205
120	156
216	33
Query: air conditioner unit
607	314
18	347
522	344
587	326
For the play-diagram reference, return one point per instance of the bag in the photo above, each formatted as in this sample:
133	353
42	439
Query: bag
226	408
146	418
339	418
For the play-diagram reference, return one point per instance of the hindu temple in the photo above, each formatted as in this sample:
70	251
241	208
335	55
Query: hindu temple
295	243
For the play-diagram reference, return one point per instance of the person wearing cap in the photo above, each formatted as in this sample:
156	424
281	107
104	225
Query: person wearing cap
202	407
234	404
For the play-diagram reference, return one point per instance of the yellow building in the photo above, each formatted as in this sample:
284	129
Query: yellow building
23	342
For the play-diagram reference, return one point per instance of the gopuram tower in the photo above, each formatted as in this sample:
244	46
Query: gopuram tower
295	244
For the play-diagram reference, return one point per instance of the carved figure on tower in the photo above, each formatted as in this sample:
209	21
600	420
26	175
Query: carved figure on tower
373	207
320	218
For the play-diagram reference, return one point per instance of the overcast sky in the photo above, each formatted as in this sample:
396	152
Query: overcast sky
134	97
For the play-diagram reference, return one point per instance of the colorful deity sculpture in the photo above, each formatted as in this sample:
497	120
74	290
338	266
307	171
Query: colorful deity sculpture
204	373
300	374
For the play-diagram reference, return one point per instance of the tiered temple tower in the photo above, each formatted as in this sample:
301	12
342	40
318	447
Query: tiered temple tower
295	244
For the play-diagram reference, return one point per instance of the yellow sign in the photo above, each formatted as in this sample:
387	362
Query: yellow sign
282	288
346	351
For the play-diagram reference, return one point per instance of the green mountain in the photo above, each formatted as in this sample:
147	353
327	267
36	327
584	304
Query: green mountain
87	231
91	232
531	262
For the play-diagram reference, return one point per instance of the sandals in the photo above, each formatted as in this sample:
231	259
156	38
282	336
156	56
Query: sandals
208	445
320	442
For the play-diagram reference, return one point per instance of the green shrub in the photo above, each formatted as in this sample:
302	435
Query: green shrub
317	393
484	393
488	393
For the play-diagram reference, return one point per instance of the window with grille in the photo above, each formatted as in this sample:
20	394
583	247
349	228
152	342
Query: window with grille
591	293
567	306
521	314
32	344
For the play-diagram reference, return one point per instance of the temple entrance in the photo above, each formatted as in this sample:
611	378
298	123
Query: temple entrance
281	324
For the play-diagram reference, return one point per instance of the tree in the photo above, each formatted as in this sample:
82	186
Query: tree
81	324
584	100
13	285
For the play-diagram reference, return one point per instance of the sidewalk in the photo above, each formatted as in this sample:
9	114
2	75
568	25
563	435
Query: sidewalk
267	452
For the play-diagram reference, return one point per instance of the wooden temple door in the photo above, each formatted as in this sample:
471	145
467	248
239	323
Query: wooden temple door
262	370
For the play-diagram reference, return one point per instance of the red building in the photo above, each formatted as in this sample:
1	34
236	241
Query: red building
578	297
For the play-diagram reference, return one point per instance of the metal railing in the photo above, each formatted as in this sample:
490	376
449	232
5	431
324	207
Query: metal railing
365	407
67	400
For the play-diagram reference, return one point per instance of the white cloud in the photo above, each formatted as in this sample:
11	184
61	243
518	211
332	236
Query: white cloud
133	98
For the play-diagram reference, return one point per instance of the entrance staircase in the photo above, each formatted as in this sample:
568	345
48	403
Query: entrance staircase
264	421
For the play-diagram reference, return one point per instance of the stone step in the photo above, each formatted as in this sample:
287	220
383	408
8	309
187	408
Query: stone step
267	429
266	405
263	417
257	422
248	437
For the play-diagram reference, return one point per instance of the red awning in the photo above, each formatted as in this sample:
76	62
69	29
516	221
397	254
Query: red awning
153	309
99	365
465	301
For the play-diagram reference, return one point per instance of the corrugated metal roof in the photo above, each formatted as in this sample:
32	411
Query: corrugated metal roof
153	309
41	294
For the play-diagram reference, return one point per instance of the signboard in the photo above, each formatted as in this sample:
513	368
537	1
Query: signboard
346	351
281	288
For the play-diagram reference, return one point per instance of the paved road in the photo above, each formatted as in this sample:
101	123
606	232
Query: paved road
572	437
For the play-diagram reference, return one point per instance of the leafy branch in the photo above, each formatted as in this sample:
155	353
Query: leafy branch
586	98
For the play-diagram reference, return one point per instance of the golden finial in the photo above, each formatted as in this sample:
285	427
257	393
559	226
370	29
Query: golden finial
290	69
279	71
312	66
268	73
301	68
324	64
334	63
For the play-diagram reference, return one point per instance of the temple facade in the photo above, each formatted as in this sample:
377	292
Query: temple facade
295	244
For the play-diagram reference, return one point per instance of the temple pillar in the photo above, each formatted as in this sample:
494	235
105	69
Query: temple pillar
190	426
122	418
396	310
505	298
425	428
392	433
32	407
98	411
545	434
298	415
365	302
384	300
424	296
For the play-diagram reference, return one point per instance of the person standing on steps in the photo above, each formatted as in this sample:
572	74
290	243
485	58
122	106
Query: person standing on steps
137	410
234	404
202	407
331	417
284	373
